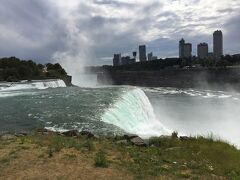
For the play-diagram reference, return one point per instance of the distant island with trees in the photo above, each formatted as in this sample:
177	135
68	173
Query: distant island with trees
13	69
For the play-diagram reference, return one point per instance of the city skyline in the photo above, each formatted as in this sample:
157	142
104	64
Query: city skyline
90	32
185	51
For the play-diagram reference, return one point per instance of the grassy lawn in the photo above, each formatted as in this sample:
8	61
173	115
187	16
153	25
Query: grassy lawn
58	157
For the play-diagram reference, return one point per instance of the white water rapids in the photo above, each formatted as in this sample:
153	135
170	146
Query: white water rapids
23	85
113	110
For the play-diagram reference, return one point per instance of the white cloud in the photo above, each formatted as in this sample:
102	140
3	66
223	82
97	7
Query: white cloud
79	32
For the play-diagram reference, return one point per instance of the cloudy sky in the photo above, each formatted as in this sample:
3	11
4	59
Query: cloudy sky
84	32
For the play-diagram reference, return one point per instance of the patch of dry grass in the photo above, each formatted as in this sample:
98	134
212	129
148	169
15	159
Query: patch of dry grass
58	157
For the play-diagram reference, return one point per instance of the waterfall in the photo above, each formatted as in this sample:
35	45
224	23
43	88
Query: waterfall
134	113
44	84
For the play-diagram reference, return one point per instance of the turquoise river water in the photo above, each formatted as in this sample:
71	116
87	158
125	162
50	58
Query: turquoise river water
118	110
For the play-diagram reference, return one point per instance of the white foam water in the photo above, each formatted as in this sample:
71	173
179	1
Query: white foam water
134	113
198	112
44	84
19	88
193	93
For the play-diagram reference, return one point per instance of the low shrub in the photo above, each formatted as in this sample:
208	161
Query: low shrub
100	160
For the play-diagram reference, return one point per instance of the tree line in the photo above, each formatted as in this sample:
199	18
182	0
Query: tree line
171	63
13	69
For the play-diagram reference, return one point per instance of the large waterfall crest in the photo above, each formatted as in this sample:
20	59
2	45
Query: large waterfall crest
134	113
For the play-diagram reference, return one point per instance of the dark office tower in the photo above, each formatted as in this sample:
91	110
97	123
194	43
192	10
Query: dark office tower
181	48
134	54
187	50
117	60
150	55
202	50
218	44
142	53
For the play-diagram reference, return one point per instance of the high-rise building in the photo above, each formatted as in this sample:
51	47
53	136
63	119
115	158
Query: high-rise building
134	54
202	50
150	55
142	53
126	60
181	48
187	50
218	44
117	60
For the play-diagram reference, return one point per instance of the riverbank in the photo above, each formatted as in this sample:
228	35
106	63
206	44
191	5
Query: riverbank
49	155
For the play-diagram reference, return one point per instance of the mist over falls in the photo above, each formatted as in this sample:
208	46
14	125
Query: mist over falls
198	112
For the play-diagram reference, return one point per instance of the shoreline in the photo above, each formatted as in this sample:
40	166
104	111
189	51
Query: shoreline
144	142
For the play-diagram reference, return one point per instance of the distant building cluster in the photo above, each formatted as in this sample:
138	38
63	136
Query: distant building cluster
118	60
185	49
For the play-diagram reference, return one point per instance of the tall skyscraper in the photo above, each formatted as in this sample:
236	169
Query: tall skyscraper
185	49
202	50
181	48
134	54
218	44
117	60
142	53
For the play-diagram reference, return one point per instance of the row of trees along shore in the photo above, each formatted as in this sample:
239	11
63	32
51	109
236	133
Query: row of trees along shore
171	63
13	69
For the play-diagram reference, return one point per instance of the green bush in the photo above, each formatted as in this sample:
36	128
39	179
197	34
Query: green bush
50	153
57	143
175	135
100	160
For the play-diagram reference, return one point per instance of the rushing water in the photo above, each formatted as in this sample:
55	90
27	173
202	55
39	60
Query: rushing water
198	112
110	110
117	110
